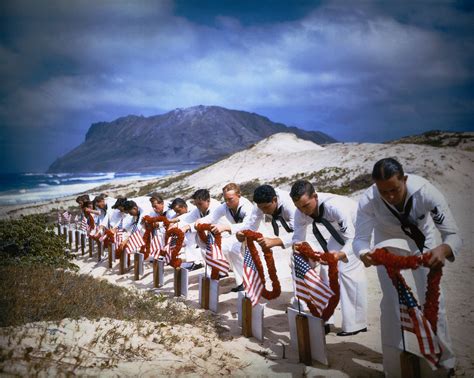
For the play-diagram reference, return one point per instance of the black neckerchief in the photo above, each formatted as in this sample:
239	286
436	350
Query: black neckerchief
277	216
237	218
320	219
407	224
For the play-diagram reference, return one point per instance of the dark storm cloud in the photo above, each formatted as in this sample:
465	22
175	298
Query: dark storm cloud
373	72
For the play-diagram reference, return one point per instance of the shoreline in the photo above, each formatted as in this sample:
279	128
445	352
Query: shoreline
449	169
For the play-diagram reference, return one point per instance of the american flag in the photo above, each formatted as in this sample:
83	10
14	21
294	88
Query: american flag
309	286
84	225
169	248
135	241
103	237
413	320
252	282
67	217
155	246
118	236
214	256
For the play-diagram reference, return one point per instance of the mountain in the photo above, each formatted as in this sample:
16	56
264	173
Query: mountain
191	136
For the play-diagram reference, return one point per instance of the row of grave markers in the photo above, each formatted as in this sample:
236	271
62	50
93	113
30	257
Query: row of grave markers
306	331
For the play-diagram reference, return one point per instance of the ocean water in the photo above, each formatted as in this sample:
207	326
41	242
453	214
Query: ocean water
23	188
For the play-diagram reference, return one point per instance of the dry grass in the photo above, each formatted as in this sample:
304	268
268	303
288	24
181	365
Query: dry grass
29	294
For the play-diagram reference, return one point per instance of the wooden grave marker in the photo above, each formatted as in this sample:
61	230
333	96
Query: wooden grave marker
308	336
77	237
138	262
250	317
158	273
83	244
111	255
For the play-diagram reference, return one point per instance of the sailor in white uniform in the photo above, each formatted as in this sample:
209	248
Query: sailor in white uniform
115	215
235	215
136	214
405	207
191	251
143	202
100	205
204	205
279	205
337	215
161	207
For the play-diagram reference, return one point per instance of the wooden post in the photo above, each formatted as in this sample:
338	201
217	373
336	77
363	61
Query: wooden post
70	239
177	282
205	288
83	244
59	229
246	317
123	261
100	249
410	365
304	346
78	235
155	273
136	265
111	256
91	246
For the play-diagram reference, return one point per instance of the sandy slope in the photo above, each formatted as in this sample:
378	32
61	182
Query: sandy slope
284	155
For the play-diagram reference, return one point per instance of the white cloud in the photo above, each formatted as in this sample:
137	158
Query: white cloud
145	57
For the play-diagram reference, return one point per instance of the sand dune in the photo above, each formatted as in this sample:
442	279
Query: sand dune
279	159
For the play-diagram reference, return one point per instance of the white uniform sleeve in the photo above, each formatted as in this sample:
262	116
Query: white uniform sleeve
250	220
128	223
443	218
364	226
189	218
215	215
287	240
300	225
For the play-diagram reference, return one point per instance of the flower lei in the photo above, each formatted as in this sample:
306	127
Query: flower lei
251	236
90	221
110	239
150	224
393	264
201	231
179	234
307	252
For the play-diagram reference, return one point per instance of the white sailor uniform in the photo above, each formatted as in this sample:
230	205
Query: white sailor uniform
192	249
337	214
428	210
284	217
240	220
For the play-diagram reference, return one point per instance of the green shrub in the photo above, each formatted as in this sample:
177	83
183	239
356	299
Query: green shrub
30	240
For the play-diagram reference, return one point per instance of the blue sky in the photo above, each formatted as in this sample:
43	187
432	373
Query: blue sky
359	71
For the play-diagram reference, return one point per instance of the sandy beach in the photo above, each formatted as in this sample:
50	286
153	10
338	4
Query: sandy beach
278	160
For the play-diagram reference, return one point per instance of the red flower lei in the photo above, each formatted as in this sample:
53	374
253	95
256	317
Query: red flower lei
174	231
307	252
90	221
201	231
110	238
150	224
393	264
251	236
